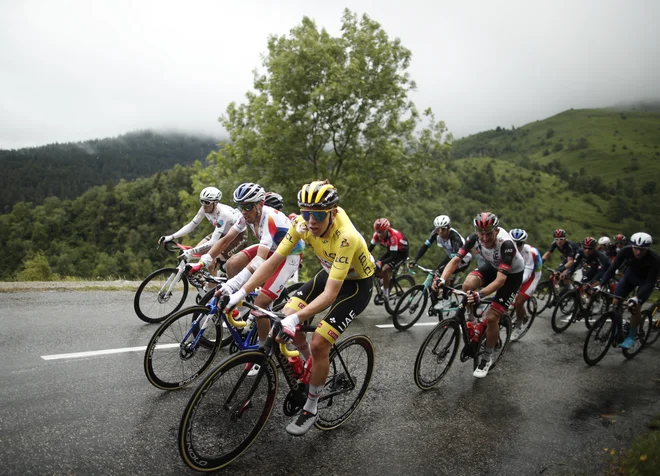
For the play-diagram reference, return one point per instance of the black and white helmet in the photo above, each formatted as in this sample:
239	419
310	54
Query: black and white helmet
249	193
442	221
210	194
641	240
274	200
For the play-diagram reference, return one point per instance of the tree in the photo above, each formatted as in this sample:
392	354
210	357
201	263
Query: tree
330	107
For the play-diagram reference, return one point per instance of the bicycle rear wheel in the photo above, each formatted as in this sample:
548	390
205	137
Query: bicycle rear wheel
545	293
640	339
158	296
564	313
351	368
531	307
654	332
596	306
437	353
502	342
398	288
599	338
227	411
172	359
410	307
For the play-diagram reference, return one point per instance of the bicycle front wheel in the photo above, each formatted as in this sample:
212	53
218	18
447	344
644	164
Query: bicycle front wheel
599	338
437	353
410	307
564	312
173	359
398	288
160	295
531	307
351	368
227	411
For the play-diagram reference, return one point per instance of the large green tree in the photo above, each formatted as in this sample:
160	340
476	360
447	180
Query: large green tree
335	108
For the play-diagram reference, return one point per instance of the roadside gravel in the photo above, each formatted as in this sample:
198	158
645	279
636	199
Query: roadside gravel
23	286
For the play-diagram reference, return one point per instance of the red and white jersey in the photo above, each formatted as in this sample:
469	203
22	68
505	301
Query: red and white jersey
269	229
394	240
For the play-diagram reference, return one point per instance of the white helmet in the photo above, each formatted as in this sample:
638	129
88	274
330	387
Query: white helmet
641	240
441	221
210	194
604	240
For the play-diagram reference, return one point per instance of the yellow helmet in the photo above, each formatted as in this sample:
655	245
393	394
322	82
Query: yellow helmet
319	195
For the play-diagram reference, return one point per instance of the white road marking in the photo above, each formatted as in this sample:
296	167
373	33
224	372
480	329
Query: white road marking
387	326
92	353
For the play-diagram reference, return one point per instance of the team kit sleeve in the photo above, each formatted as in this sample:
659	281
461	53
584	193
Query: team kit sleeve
292	237
345	249
508	251
469	244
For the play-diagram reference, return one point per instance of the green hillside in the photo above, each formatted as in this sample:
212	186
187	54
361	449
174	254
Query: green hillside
68	170
603	143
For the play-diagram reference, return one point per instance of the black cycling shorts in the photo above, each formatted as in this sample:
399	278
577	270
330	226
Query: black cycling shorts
504	296
630	281
353	298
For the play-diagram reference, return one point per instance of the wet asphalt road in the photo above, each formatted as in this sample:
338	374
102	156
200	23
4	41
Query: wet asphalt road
541	411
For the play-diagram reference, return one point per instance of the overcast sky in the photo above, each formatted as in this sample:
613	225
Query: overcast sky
74	70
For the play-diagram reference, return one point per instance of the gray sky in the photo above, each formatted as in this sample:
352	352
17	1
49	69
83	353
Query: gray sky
74	70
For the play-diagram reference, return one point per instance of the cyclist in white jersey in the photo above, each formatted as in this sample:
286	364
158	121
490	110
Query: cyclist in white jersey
501	273
221	216
531	277
270	227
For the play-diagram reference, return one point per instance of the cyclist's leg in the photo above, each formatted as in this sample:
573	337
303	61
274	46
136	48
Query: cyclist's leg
386	274
623	288
524	293
477	279
304	295
352	299
239	261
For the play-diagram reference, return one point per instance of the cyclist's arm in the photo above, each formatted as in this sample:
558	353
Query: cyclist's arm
190	226
265	270
612	269
456	243
455	262
425	246
220	245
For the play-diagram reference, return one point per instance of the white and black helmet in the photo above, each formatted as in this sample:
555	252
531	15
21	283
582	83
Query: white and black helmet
442	221
604	240
641	240
249	193
210	194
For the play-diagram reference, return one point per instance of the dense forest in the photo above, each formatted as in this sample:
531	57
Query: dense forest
67	170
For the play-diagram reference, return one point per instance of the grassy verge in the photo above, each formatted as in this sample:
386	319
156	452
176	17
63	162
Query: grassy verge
643	456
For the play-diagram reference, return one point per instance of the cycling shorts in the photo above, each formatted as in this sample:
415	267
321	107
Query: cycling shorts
282	275
400	257
353	298
630	281
528	287
503	296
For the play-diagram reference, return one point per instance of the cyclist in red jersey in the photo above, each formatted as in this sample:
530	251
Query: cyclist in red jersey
397	250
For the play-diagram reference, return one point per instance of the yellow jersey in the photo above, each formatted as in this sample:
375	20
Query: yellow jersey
343	253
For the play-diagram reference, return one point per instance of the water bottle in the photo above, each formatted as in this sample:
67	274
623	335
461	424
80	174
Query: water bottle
250	323
298	366
470	329
478	330
307	373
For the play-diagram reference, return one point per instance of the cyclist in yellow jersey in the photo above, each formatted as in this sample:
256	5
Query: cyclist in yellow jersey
343	285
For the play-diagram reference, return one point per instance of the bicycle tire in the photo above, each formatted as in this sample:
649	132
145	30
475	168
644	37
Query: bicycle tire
397	290
501	347
566	310
545	294
640	339
146	310
531	307
410	304
208	424
595	307
654	331
446	328
601	332
188	365
338	384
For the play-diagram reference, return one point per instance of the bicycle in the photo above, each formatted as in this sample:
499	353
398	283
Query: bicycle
610	330
186	344
548	291
410	307
398	286
434	357
577	304
229	409
164	291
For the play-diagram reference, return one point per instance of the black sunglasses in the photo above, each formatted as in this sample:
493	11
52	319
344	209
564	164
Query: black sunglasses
246	206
